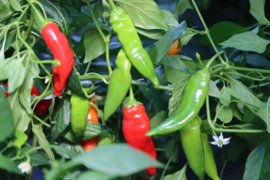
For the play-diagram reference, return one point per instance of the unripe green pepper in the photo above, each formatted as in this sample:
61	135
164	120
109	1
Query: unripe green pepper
209	162
122	24
120	82
194	96
191	140
79	112
104	139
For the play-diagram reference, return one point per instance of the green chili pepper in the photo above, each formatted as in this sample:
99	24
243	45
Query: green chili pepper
191	140
79	112
128	36
209	162
120	82
193	99
104	139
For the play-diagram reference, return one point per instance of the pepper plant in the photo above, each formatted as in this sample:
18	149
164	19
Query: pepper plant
70	72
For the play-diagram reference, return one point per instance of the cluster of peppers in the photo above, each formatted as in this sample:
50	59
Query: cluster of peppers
185	119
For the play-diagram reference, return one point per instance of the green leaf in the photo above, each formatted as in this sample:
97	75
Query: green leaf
62	118
158	118
74	83
7	164
247	41
145	14
92	130
15	4
95	175
177	94
226	95
77	4
186	36
21	138
250	117
179	175
205	128
116	159
153	94
94	45
5	11
21	118
68	150
82	18
172	22
236	112
258	162
14	71
225	114
257	11
181	7
246	95
165	43
3	2
231	151
6	117
36	158
43	141
221	31
213	90
57	12
257	60
172	74
264	114
98	9
175	61
153	33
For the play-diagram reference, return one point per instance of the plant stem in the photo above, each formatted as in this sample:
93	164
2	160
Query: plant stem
95	77
108	58
247	69
206	29
37	118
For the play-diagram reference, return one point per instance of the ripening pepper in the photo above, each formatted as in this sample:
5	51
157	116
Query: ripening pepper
79	112
119	84
192	144
193	99
91	118
123	26
105	139
135	125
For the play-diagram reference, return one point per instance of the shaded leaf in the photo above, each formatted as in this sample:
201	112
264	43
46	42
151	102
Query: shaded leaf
179	175
257	11
181	7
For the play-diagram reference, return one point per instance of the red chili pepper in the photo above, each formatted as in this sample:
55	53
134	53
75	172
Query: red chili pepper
91	118
59	46
135	126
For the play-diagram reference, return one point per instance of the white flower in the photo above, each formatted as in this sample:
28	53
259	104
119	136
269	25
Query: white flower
25	167
220	141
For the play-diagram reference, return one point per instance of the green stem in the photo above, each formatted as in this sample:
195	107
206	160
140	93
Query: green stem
227	130
95	21
108	59
247	69
111	4
37	118
34	143
206	29
196	31
208	65
261	85
134	82
43	21
166	150
87	68
23	13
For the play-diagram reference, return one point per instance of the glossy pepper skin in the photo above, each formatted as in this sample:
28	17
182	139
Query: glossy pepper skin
191	141
135	125
59	46
128	36
193	99
173	50
91	118
79	112
209	162
120	82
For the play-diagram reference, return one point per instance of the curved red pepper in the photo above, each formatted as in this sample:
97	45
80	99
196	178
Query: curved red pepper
59	46
91	118
135	126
